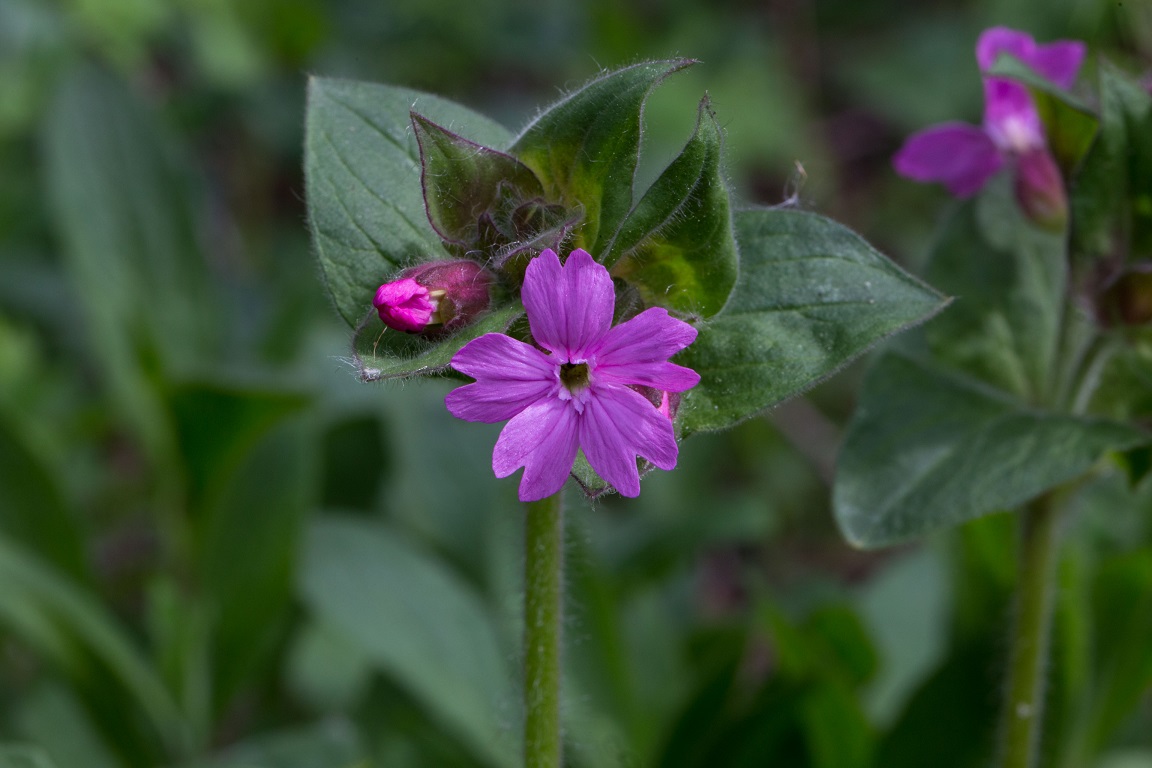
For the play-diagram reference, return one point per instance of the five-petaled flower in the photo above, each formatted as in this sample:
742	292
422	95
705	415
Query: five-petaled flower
963	157
579	392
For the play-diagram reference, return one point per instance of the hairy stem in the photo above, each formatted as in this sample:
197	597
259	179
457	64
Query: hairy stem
543	611
1023	713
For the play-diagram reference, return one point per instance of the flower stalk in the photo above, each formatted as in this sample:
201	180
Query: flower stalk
1023	708
543	615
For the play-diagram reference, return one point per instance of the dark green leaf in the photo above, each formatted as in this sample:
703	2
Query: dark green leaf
928	450
1009	279
1112	195
1069	123
415	621
331	744
381	353
811	296
33	510
362	166
677	246
465	182
586	146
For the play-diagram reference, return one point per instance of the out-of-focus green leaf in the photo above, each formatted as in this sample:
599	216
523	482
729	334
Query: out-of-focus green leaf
464	182
1111	197
1009	278
380	353
585	147
18	756
362	166
52	716
928	450
416	622
333	744
326	670
33	509
129	233
63	623
1070	124
811	296
677	246
217	423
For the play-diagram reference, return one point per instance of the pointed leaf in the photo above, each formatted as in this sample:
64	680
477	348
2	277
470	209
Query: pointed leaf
677	246
929	450
1008	277
415	620
585	147
20	756
362	174
811	296
463	181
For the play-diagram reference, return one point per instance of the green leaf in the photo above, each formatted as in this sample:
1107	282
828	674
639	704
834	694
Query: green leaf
362	178
1069	123
414	620
1111	197
928	450
1009	278
62	622
332	744
18	756
33	509
381	353
811	296
121	202
585	147
464	183
677	246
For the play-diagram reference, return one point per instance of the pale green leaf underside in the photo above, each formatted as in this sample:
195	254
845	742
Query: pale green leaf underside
929	450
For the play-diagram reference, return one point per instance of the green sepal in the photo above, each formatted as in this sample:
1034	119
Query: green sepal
930	449
811	296
362	178
468	186
380	353
585	147
677	246
1069	123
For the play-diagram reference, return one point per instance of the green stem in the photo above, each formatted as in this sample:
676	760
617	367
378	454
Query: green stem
543	611
1023	712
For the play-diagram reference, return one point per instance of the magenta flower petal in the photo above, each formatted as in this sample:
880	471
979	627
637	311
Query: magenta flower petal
1059	61
510	376
995	41
570	306
618	424
404	305
543	439
960	156
1010	117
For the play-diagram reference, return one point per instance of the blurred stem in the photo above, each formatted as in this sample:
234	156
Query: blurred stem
1023	713
543	612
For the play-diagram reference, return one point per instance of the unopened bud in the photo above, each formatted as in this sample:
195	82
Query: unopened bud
436	296
1040	189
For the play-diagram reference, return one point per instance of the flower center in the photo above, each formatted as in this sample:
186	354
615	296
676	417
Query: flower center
574	376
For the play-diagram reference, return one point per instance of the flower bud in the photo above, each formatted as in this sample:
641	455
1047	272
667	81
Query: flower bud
432	297
1128	301
1040	189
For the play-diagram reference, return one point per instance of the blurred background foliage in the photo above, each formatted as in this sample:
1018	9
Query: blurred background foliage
218	549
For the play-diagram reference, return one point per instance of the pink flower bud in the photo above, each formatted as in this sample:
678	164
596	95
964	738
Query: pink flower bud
433	297
1040	189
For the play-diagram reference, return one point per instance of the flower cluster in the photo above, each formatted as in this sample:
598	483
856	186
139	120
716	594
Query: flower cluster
579	392
963	157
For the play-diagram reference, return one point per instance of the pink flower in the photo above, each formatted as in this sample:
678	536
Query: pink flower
963	157
439	295
579	393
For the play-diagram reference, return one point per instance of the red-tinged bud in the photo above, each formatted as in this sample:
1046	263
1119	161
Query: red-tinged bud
1040	189
1128	301
434	297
